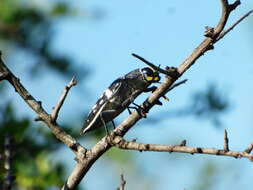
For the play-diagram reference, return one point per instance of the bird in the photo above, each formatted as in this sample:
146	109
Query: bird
118	97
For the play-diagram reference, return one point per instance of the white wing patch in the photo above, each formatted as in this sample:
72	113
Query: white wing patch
101	102
108	93
93	109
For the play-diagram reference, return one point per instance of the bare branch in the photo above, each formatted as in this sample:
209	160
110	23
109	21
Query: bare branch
56	109
123	183
103	145
42	114
222	34
129	145
8	157
166	72
208	42
86	158
226	140
249	148
177	84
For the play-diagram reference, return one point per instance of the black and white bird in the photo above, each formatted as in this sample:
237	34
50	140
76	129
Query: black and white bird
118	96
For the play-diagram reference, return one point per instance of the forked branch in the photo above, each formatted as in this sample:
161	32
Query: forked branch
130	145
86	158
104	144
56	109
37	108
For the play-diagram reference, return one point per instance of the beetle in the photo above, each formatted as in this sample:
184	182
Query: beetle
118	96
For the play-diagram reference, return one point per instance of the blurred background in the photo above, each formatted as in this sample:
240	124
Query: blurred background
47	42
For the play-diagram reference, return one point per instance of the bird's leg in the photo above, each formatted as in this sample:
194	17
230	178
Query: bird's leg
113	124
152	89
139	109
129	111
103	121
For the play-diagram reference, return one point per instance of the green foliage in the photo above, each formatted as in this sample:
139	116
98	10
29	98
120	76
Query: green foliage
38	174
32	168
29	28
60	9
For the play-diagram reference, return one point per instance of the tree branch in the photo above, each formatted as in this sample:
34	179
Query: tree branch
8	157
177	84
226	140
85	158
123	183
222	34
130	145
56	109
249	148
37	107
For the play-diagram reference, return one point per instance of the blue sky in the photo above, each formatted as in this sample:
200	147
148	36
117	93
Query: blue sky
164	32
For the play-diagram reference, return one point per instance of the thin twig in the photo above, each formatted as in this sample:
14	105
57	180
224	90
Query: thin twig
226	141
208	42
34	104
249	148
152	65
183	143
177	84
129	145
234	25
56	109
8	157
122	183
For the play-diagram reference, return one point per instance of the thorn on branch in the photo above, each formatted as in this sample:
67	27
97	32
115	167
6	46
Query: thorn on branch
183	143
56	109
249	148
226	141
